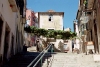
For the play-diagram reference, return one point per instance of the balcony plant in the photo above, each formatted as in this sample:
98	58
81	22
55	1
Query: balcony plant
85	4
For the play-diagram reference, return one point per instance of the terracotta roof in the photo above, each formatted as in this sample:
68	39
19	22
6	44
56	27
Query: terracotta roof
50	11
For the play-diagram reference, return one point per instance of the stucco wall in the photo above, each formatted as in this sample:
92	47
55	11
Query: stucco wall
56	24
12	19
9	17
7	13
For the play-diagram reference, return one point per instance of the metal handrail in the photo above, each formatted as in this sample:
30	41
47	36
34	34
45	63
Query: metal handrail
41	57
38	56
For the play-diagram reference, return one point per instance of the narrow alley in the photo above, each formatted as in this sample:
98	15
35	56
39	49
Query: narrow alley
56	59
49	33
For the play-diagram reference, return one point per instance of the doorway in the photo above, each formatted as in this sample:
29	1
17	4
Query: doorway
1	27
12	45
96	37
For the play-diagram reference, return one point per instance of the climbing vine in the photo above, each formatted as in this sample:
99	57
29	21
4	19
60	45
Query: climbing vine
57	34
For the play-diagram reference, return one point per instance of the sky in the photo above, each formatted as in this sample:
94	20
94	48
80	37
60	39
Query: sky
69	7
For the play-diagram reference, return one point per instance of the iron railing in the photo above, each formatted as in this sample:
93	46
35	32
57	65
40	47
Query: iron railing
40	56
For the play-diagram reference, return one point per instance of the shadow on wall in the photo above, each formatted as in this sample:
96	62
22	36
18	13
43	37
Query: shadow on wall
45	43
60	45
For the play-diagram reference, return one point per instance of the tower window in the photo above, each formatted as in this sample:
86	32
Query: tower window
50	17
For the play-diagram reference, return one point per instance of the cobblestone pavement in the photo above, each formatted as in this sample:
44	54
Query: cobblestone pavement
73	60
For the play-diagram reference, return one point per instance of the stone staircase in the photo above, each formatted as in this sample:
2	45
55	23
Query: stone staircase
23	59
57	60
73	60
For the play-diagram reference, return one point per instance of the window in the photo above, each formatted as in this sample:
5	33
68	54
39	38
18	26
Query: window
50	29
50	17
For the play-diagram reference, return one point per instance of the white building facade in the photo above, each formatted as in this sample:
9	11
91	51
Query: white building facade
11	27
51	21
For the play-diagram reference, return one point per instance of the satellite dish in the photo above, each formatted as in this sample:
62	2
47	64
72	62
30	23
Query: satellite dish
84	19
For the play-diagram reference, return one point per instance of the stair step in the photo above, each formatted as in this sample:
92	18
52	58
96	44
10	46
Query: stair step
24	58
73	60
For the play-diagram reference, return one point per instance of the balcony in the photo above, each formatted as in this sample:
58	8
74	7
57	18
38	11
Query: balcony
88	4
13	5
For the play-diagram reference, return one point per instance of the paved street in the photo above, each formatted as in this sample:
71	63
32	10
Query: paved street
73	60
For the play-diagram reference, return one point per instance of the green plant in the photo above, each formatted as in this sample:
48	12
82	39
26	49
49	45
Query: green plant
57	34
